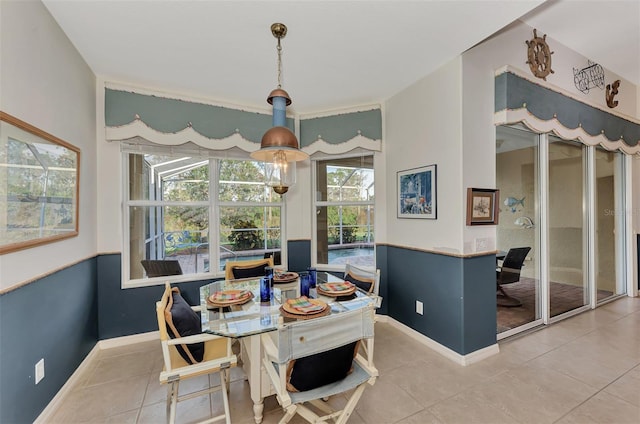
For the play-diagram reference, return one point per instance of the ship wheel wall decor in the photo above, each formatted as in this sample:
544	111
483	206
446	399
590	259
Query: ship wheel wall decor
539	56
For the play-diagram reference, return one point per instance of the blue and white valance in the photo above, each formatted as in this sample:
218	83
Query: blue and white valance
519	99
173	122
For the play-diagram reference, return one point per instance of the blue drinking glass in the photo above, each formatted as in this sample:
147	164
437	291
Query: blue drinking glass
312	277
265	290
305	282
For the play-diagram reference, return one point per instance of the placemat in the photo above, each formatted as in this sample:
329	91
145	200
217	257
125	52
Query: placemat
284	277
230	297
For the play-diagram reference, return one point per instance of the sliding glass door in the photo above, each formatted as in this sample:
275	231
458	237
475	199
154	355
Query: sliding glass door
565	201
567	229
609	221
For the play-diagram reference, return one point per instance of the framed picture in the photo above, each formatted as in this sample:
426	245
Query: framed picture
482	206
417	193
39	181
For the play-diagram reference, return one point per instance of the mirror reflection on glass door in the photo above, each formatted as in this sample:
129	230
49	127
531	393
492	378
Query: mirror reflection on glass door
518	294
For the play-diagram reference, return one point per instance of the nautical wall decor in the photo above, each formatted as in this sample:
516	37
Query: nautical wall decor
612	90
539	56
589	77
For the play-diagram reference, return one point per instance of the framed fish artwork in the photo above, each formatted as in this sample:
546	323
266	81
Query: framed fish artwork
482	206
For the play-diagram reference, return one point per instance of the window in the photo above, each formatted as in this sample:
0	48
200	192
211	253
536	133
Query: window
198	211
344	207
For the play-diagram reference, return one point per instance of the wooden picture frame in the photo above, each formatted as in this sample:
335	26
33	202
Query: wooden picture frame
417	193
482	206
39	186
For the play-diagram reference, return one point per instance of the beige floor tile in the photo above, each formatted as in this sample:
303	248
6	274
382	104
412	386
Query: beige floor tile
422	417
430	382
469	407
533	394
385	403
627	387
603	408
118	367
586	364
188	411
103	400
157	392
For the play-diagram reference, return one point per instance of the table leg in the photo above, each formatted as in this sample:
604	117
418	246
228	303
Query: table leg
252	364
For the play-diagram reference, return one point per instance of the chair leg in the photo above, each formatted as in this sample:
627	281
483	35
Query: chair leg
290	412
351	404
172	401
503	299
224	388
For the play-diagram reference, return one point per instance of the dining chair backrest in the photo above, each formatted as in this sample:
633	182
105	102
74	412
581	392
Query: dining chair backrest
313	359
367	279
237	270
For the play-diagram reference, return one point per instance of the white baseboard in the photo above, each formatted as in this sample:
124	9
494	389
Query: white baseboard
127	340
47	413
463	360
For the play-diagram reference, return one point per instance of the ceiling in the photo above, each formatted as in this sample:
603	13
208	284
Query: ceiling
336	53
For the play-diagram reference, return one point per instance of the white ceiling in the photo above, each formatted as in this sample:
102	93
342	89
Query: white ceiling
336	53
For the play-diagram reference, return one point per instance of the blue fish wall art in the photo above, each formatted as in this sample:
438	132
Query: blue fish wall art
512	203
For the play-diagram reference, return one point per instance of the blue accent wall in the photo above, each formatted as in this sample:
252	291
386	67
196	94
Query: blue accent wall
458	295
123	312
55	318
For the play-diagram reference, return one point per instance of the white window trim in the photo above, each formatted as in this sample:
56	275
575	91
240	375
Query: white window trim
214	218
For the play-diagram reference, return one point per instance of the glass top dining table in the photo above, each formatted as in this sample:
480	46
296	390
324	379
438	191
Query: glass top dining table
255	317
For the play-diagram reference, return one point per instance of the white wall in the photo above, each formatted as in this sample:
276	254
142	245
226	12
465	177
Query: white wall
478	132
423	128
46	83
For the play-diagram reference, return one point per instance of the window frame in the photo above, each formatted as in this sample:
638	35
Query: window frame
214	204
322	203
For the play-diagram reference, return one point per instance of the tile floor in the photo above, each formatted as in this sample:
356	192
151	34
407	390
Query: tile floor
585	369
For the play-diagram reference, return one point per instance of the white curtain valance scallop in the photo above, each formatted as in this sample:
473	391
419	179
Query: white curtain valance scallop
544	109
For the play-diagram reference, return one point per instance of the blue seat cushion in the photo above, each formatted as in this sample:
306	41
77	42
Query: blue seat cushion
320	369
182	321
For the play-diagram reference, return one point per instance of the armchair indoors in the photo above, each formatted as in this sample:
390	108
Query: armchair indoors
237	270
310	360
509	272
187	352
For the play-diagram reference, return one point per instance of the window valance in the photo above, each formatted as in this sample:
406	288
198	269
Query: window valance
545	109
172	122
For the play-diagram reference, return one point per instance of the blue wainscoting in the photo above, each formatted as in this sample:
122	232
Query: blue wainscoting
55	318
458	296
123	312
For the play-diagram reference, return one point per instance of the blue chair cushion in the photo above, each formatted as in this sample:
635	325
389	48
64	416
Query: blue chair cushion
320	369
182	321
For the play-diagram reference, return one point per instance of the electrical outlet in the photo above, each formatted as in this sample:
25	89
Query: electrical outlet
39	370
419	309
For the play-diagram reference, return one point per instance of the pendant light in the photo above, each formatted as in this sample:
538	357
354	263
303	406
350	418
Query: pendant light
279	148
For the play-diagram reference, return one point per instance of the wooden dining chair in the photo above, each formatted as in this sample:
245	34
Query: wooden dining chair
238	270
188	353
